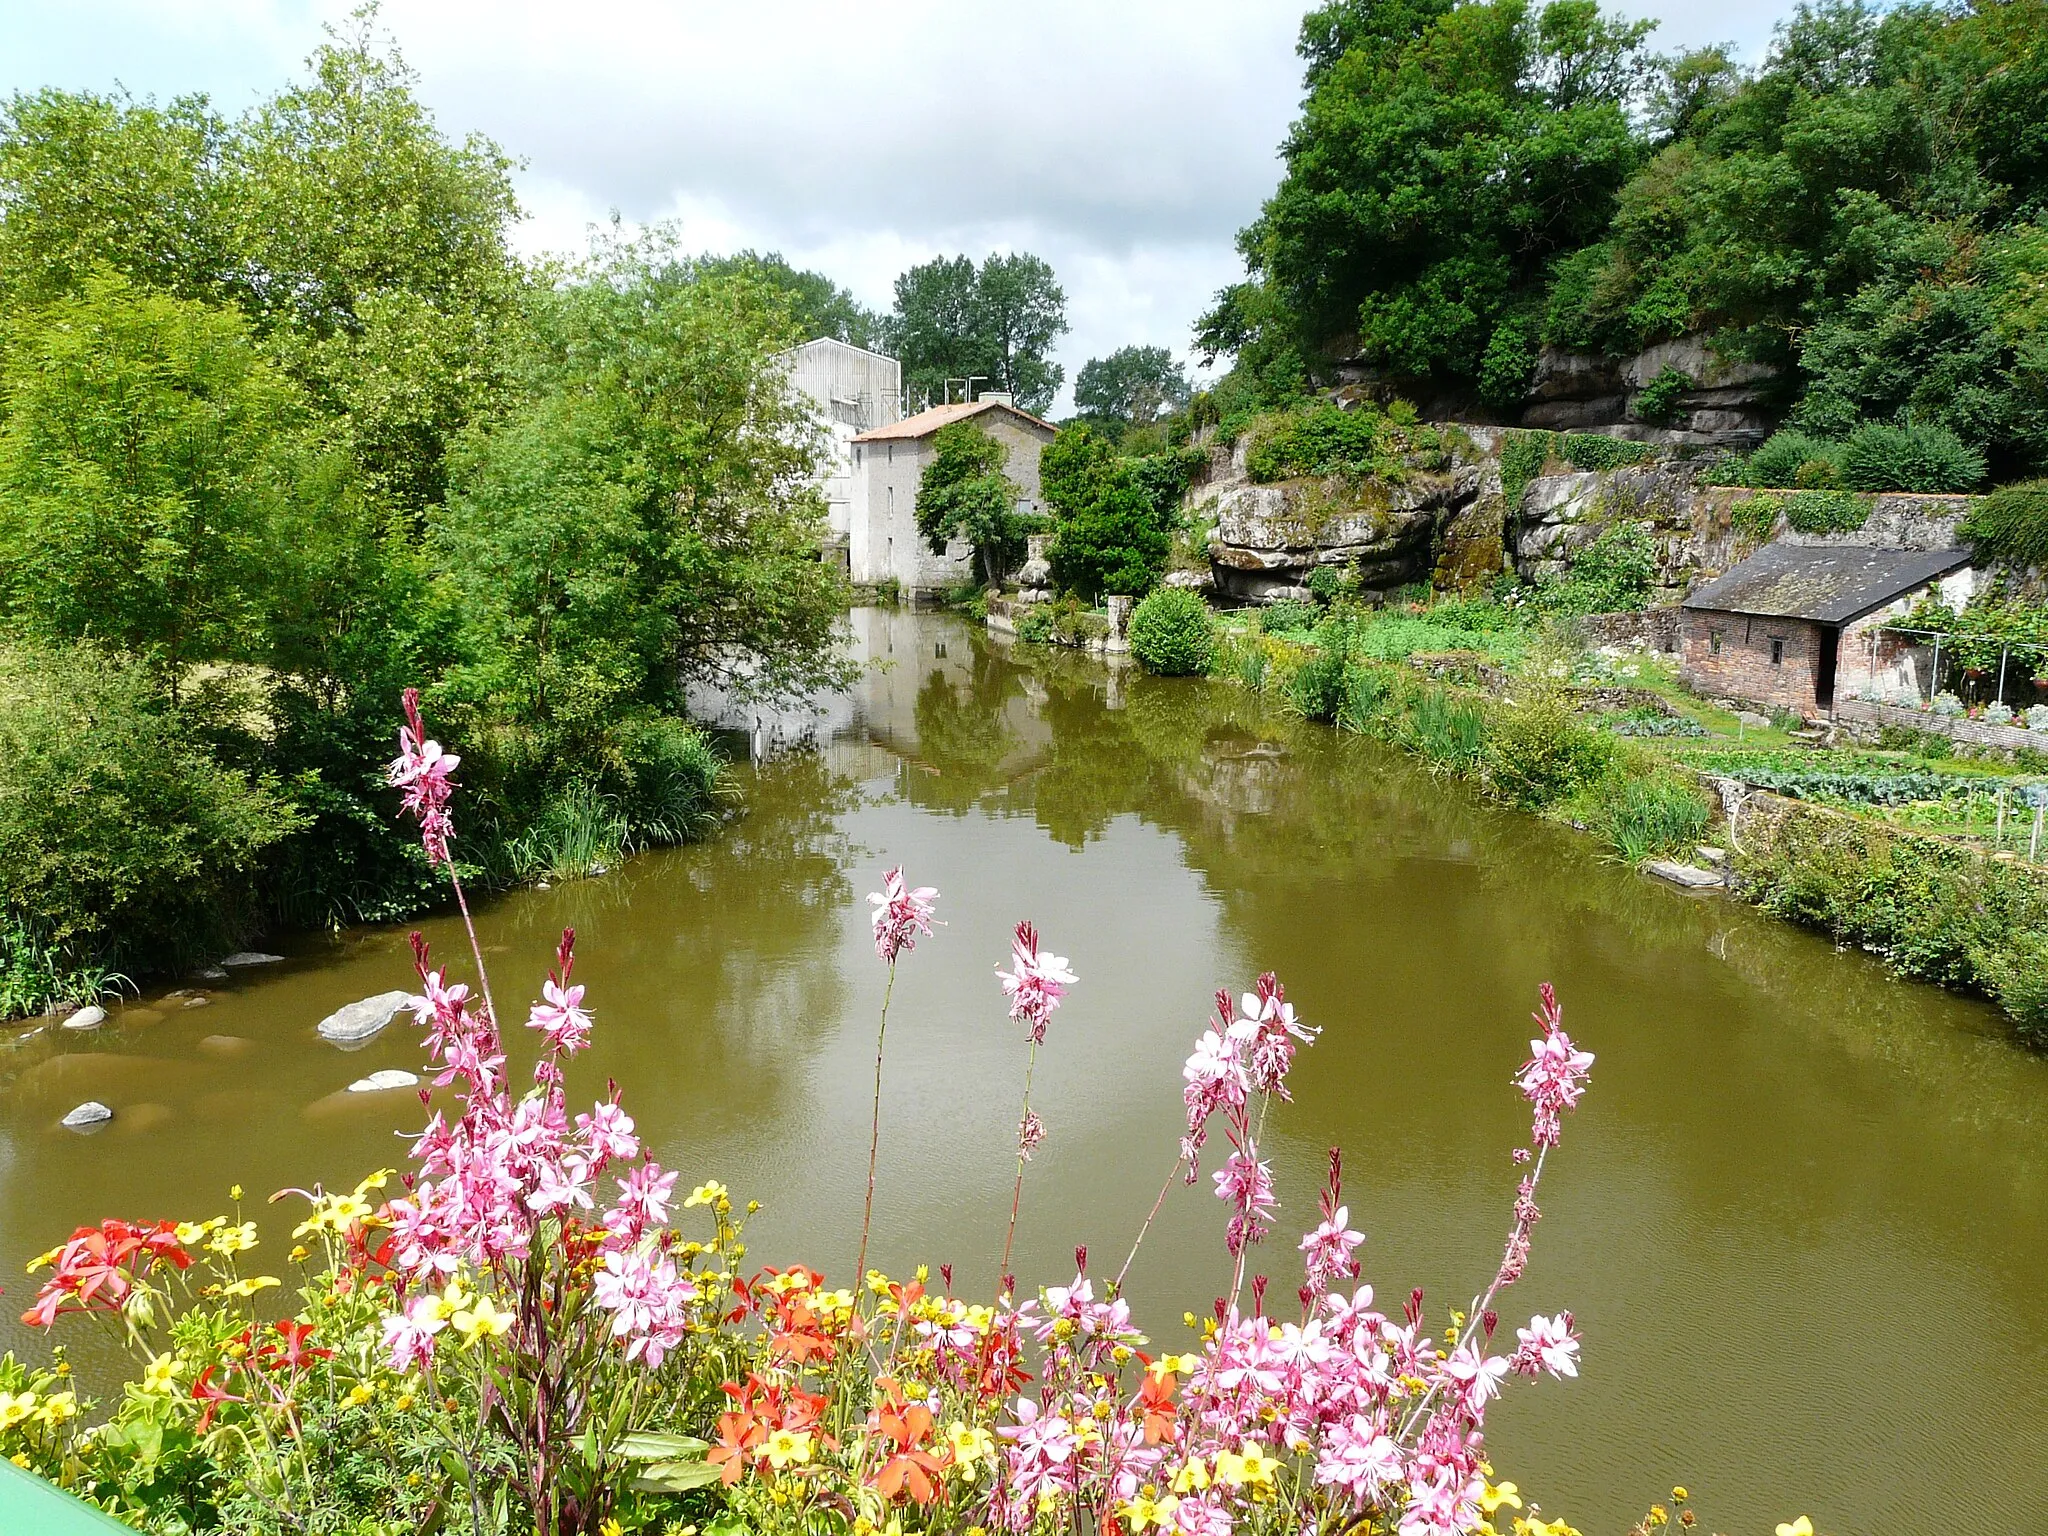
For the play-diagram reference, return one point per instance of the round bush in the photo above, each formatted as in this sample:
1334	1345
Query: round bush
1172	633
1880	457
2011	524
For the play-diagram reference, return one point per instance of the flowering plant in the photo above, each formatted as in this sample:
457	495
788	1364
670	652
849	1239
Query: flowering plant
522	1327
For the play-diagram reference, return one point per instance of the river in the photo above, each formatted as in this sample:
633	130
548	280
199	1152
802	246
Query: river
1801	1217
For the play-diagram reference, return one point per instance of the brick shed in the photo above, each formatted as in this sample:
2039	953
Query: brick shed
1773	630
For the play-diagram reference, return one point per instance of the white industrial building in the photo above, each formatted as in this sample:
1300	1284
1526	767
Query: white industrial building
851	390
888	461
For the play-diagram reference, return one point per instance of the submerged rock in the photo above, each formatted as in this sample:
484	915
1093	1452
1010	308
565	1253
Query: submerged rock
91	1017
91	1113
1688	875
385	1080
242	959
358	1022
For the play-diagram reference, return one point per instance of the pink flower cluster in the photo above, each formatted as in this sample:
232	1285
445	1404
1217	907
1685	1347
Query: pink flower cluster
1037	983
1392	1420
901	914
1555	1074
422	770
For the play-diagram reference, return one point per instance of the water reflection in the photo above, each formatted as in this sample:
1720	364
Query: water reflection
1801	1217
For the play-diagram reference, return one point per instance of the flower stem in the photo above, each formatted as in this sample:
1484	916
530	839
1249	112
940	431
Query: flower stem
1017	1194
476	949
1171	1174
860	1264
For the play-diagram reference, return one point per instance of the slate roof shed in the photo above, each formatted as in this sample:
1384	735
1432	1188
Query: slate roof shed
1833	584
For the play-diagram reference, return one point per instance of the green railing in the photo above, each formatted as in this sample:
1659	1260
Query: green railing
31	1507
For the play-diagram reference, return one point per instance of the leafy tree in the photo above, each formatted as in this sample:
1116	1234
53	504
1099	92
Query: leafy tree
817	305
1443	157
1133	386
1110	534
964	493
142	468
996	324
645	518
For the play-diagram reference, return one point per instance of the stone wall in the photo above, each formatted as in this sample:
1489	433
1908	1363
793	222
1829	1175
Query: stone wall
1765	661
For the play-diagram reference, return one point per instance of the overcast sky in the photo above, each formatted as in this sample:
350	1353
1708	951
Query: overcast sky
1126	141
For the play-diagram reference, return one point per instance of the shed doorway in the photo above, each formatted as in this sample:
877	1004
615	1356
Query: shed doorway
1824	670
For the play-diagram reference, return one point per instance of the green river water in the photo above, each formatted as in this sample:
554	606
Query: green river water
1802	1216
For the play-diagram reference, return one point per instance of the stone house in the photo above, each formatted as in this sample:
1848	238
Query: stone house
1793	627
849	390
883	541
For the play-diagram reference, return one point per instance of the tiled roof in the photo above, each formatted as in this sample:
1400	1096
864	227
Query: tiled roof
924	423
1829	585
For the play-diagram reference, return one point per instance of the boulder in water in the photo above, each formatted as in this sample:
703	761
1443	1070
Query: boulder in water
360	1021
242	959
91	1017
89	1114
384	1081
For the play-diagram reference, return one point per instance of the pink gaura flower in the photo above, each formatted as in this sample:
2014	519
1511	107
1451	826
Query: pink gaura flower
1037	984
561	1017
648	1301
1548	1343
1359	1456
422	770
409	1335
1030	1132
644	1196
1555	1074
607	1133
1330	1249
901	914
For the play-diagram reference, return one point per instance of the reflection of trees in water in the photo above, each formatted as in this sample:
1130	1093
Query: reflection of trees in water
964	730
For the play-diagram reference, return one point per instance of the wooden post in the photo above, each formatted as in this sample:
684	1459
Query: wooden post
1999	840
2003	652
2034	847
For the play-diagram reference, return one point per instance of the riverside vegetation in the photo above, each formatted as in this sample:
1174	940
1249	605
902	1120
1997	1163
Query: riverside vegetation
482	1348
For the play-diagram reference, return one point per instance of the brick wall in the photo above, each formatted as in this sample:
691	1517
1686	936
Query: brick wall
1730	655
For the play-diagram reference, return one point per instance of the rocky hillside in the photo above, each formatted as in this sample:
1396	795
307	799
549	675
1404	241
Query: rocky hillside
1446	518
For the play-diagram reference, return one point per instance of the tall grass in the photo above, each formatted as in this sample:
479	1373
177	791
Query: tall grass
1655	815
580	834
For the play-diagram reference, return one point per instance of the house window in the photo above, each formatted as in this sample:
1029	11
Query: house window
1777	651
1714	642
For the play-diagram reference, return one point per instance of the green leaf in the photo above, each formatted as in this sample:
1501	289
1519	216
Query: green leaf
675	1477
647	1445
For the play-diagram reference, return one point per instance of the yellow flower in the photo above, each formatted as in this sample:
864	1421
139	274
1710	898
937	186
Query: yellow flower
786	1446
1679	1495
230	1240
1800	1527
189	1232
451	1301
481	1319
234	1191
711	1193
1658	1515
376	1180
15	1407
43	1260
1144	1512
1192	1478
1496	1494
161	1374
970	1446
611	1527
347	1211
360	1394
252	1285
1252	1469
58	1407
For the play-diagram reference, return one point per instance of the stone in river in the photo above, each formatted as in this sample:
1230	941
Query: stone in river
248	957
1688	875
86	1018
89	1114
200	1001
359	1021
211	973
380	1082
227	1045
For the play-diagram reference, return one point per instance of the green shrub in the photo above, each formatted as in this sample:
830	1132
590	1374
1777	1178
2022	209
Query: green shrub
1447	728
1368	690
1616	573
1323	440
1595	451
1318	688
2011	524
1882	457
1173	633
580	834
1657	401
1755	517
1035	623
1826	511
1522	457
126	842
2017	976
1777	464
1324	584
1287	614
674	781
1538	752
1654	815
